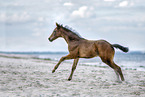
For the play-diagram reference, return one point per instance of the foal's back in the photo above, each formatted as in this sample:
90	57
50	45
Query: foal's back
90	48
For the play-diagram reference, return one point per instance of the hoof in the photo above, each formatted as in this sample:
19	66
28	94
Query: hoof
123	79
69	79
53	71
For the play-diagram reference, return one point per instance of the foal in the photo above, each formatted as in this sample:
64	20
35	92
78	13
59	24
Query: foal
82	48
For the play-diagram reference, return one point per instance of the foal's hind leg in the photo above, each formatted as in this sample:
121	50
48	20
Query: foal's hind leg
116	68
62	59
117	74
73	68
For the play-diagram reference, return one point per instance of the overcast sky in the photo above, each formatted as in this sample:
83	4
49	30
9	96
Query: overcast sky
25	25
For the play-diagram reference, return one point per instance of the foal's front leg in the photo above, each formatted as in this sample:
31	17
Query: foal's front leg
73	68
62	59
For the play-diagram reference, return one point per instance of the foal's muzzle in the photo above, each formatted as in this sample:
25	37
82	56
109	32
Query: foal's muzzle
50	39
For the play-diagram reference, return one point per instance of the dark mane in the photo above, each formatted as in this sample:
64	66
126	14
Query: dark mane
68	29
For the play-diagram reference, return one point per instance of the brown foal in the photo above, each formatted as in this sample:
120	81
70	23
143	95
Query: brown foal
82	48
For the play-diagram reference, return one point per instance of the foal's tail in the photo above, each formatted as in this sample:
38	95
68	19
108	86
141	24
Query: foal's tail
124	49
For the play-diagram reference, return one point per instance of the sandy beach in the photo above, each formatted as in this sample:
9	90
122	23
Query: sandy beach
26	76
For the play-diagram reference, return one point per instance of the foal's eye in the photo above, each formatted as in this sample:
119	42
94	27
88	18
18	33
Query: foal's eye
54	32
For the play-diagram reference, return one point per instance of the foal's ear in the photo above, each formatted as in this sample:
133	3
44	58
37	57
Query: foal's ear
58	26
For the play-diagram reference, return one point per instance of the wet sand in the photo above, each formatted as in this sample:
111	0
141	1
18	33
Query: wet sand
26	76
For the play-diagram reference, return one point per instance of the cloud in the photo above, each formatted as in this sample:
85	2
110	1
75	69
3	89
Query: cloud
41	19
68	4
109	0
23	17
132	4
15	4
3	17
123	4
39	32
82	12
36	34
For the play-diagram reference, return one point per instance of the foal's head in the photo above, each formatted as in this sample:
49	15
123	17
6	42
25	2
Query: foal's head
56	33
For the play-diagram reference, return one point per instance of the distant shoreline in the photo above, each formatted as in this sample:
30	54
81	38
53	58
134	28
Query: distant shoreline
59	52
128	61
32	52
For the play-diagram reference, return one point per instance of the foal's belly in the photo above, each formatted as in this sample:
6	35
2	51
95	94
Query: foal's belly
87	51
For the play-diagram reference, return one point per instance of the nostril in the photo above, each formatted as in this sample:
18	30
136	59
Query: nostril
49	39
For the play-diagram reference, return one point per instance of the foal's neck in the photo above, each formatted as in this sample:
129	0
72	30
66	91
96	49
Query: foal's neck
70	36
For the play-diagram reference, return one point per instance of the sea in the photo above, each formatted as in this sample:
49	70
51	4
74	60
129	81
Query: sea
133	60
